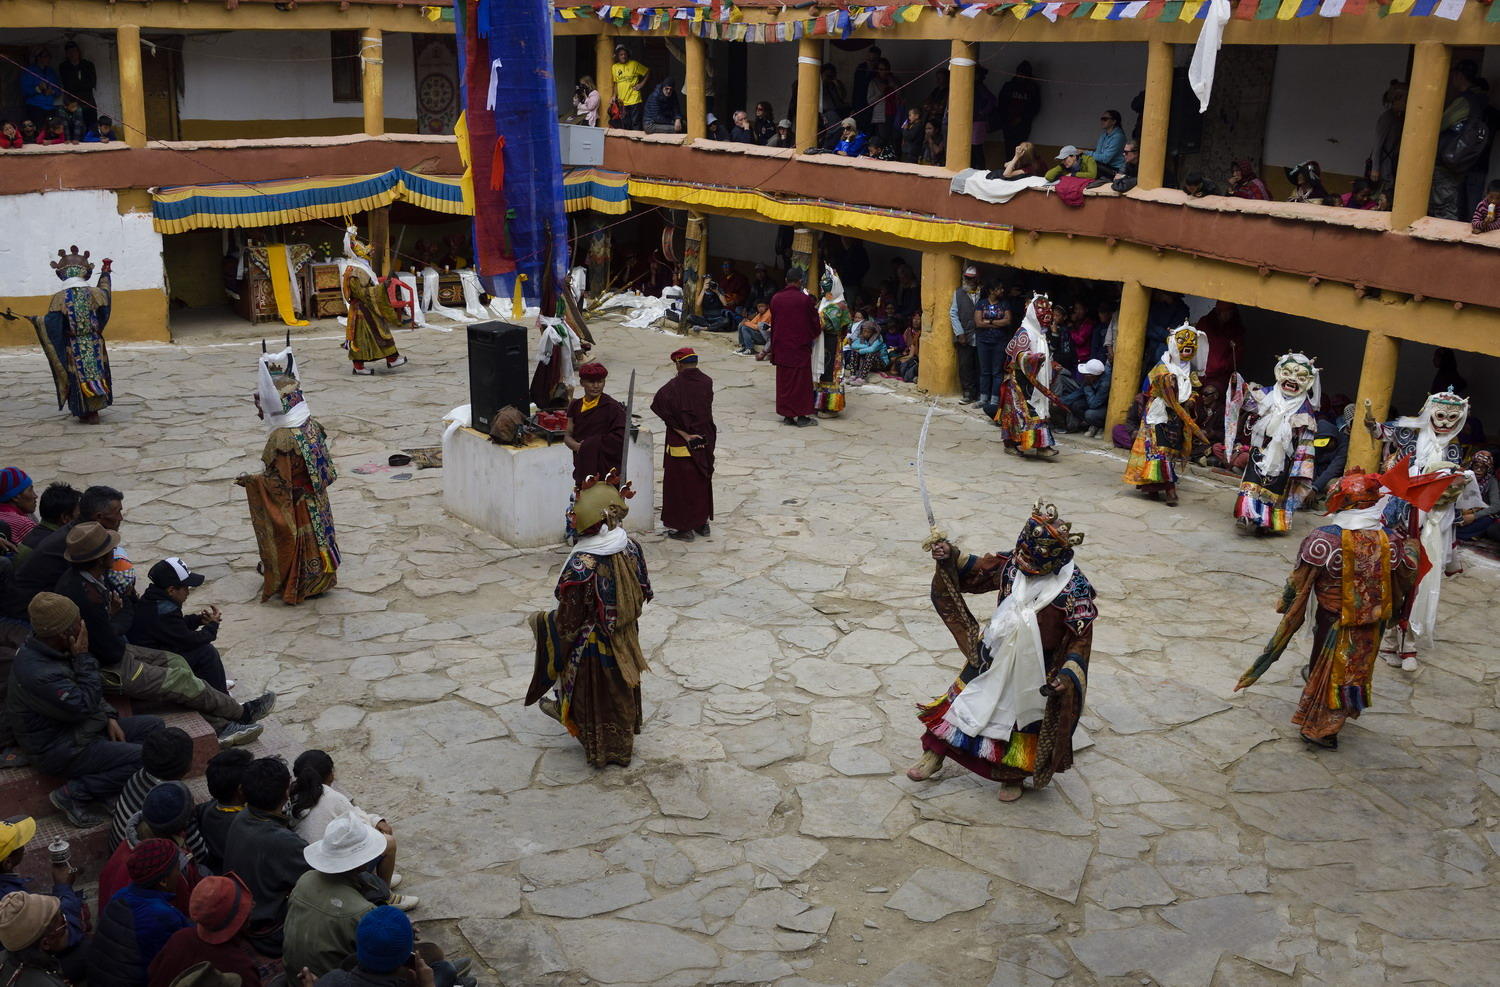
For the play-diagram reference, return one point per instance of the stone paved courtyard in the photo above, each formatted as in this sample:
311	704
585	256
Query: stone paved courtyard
765	833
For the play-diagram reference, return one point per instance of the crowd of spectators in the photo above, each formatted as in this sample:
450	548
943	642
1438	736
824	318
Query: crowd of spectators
57	103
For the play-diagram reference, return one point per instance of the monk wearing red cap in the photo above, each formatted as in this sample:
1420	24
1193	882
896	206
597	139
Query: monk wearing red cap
794	329
686	404
596	427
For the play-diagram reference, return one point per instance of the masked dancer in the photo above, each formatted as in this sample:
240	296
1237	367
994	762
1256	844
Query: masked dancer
588	649
1165	436
72	336
1279	475
834	318
1025	414
1011	713
371	317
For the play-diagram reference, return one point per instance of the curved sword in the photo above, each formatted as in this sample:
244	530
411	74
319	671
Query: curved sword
934	534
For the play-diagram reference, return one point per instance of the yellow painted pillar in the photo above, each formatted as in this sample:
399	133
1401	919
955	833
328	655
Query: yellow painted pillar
372	57
1130	345
132	88
809	87
695	87
960	106
604	57
1419	133
1155	116
1377	378
937	363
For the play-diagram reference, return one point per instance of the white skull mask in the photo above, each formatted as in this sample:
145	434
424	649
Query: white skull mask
1446	418
1294	377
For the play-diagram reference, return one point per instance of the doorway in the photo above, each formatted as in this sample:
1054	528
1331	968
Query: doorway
161	79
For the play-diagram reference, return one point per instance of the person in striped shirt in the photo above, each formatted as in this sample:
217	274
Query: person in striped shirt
166	755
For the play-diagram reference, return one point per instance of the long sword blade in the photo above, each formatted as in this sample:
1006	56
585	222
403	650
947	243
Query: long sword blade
625	449
921	466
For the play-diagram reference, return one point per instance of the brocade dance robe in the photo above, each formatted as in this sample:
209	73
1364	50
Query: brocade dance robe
589	648
370	317
1038	749
1022	427
794	329
1270	501
600	432
686	404
293	520
72	337
1359	581
1161	447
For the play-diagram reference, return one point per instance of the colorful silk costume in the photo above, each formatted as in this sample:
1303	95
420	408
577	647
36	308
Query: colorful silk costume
1025	413
72	336
834	318
1279	475
1164	438
1012	710
588	649
1356	574
289	508
371	316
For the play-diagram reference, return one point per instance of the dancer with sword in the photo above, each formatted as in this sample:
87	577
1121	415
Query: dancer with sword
1011	713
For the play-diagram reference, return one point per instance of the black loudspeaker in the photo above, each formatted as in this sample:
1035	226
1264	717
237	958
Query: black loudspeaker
497	371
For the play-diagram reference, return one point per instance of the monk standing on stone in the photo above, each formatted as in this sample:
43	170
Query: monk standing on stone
686	404
596	427
794	329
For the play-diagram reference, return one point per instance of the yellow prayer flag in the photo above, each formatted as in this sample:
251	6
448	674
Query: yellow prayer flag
466	181
517	301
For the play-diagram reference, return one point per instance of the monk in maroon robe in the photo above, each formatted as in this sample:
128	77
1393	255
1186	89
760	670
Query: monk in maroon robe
596	426
794	329
686	404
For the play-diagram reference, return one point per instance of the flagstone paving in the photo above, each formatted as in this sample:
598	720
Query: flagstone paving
765	832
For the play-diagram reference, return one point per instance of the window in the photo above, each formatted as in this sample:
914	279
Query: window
348	84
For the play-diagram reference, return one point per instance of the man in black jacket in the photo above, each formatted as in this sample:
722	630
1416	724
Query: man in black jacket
46	565
144	673
160	623
55	699
264	850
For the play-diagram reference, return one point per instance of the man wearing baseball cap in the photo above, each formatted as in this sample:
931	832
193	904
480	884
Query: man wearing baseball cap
159	622
33	931
219	910
56	703
15	833
145	673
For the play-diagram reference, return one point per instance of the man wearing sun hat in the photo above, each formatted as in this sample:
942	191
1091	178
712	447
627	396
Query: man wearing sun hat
137	922
329	900
686	404
33	931
220	908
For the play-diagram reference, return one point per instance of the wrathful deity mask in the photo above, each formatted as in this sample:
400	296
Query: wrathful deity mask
1046	542
1187	343
1045	316
1295	375
1446	412
1354	490
73	265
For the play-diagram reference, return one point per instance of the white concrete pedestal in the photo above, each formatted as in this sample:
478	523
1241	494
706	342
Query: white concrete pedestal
519	495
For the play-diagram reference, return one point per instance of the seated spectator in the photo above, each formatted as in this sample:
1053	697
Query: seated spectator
1307	178
74	125
10	136
734	287
46	564
762	287
329	900
1331	449
1244	183
226	800
1109	149
867	352
57	506
763	124
56	132
160	623
1089	402
716	316
14	835
166	755
663	113
315	804
1125	179
219	909
755	329
1075	164
1198	187
385	944
34	933
905	364
29	131
851	142
1085	334
1480	522
167	811
143	673
783	135
740	131
17	502
139	920
1487	214
911	135
714	131
934	144
55	701
1025	163
104	131
1360	196
264	850
879	150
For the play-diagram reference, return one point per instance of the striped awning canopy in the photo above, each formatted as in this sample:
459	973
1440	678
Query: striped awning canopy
596	189
237	205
